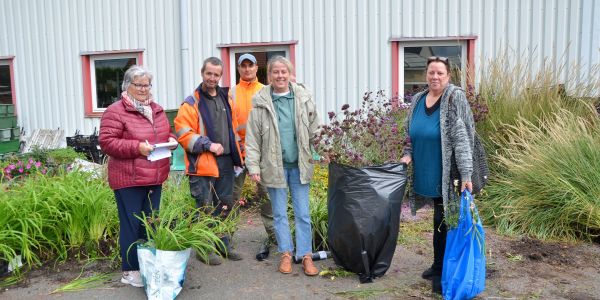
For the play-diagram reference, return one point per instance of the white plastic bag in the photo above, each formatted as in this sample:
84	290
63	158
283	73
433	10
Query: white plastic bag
163	272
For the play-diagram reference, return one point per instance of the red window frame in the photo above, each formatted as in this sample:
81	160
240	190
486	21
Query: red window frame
87	78
396	43
226	50
10	60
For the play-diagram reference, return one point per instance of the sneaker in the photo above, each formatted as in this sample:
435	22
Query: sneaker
212	260
133	278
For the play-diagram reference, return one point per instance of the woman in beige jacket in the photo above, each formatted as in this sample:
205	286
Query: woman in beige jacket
280	130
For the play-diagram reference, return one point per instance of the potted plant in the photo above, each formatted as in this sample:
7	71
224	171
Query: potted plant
172	233
366	183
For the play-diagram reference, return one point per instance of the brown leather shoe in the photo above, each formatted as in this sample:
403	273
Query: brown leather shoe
309	266
285	265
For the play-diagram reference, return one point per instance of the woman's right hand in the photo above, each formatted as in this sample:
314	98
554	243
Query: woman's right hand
255	177
145	148
406	159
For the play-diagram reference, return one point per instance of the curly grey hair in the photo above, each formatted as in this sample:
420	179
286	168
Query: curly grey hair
134	72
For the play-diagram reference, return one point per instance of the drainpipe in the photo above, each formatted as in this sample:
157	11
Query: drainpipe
184	30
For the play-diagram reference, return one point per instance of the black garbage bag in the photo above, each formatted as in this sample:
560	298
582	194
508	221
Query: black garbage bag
364	216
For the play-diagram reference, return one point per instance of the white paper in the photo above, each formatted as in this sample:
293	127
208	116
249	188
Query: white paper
165	145
161	150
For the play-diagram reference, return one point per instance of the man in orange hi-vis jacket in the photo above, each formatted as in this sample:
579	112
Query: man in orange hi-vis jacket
205	129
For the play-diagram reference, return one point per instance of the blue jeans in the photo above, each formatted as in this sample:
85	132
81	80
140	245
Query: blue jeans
279	202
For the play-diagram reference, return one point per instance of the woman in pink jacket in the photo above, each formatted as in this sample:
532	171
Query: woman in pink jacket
128	129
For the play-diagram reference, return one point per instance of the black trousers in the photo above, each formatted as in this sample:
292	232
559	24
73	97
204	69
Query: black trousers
439	235
215	192
131	202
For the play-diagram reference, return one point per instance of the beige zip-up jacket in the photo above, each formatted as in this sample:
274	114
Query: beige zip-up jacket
263	146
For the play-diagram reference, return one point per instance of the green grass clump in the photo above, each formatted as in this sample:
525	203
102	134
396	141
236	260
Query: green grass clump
336	272
549	187
85	283
179	225
46	217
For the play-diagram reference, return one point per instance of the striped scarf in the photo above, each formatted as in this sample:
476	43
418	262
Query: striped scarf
143	107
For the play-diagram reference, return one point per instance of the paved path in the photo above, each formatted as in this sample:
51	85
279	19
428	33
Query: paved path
246	279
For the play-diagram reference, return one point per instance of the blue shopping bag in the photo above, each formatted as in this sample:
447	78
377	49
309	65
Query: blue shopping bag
463	274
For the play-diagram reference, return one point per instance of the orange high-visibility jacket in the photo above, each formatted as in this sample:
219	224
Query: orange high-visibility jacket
240	98
194	135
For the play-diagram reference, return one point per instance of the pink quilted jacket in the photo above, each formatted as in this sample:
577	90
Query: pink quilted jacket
122	128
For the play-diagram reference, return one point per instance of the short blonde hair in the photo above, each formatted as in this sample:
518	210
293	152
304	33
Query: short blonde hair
282	60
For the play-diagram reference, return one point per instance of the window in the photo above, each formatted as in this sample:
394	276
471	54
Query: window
107	78
7	95
262	51
262	57
409	59
103	76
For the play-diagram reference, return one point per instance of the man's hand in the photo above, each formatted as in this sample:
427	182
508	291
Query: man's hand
216	148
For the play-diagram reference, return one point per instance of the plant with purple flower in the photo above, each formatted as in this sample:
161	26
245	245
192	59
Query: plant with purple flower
478	104
370	135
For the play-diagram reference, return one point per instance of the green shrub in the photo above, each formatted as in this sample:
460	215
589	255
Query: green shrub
61	156
64	156
549	187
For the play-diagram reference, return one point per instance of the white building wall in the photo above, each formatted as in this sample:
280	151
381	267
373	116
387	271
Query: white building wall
343	46
48	37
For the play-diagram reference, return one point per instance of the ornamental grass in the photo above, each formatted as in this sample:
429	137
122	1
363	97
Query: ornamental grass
550	188
543	140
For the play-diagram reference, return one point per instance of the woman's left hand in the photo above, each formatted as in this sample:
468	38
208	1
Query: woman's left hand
467	185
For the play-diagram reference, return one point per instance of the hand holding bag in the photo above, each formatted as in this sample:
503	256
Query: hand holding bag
463	274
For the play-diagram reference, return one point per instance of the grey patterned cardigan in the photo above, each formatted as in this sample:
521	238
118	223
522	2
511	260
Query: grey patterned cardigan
457	133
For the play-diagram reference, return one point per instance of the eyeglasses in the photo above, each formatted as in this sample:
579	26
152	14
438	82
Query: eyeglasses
437	58
141	86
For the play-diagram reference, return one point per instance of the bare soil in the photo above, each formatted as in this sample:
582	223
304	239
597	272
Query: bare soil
517	268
